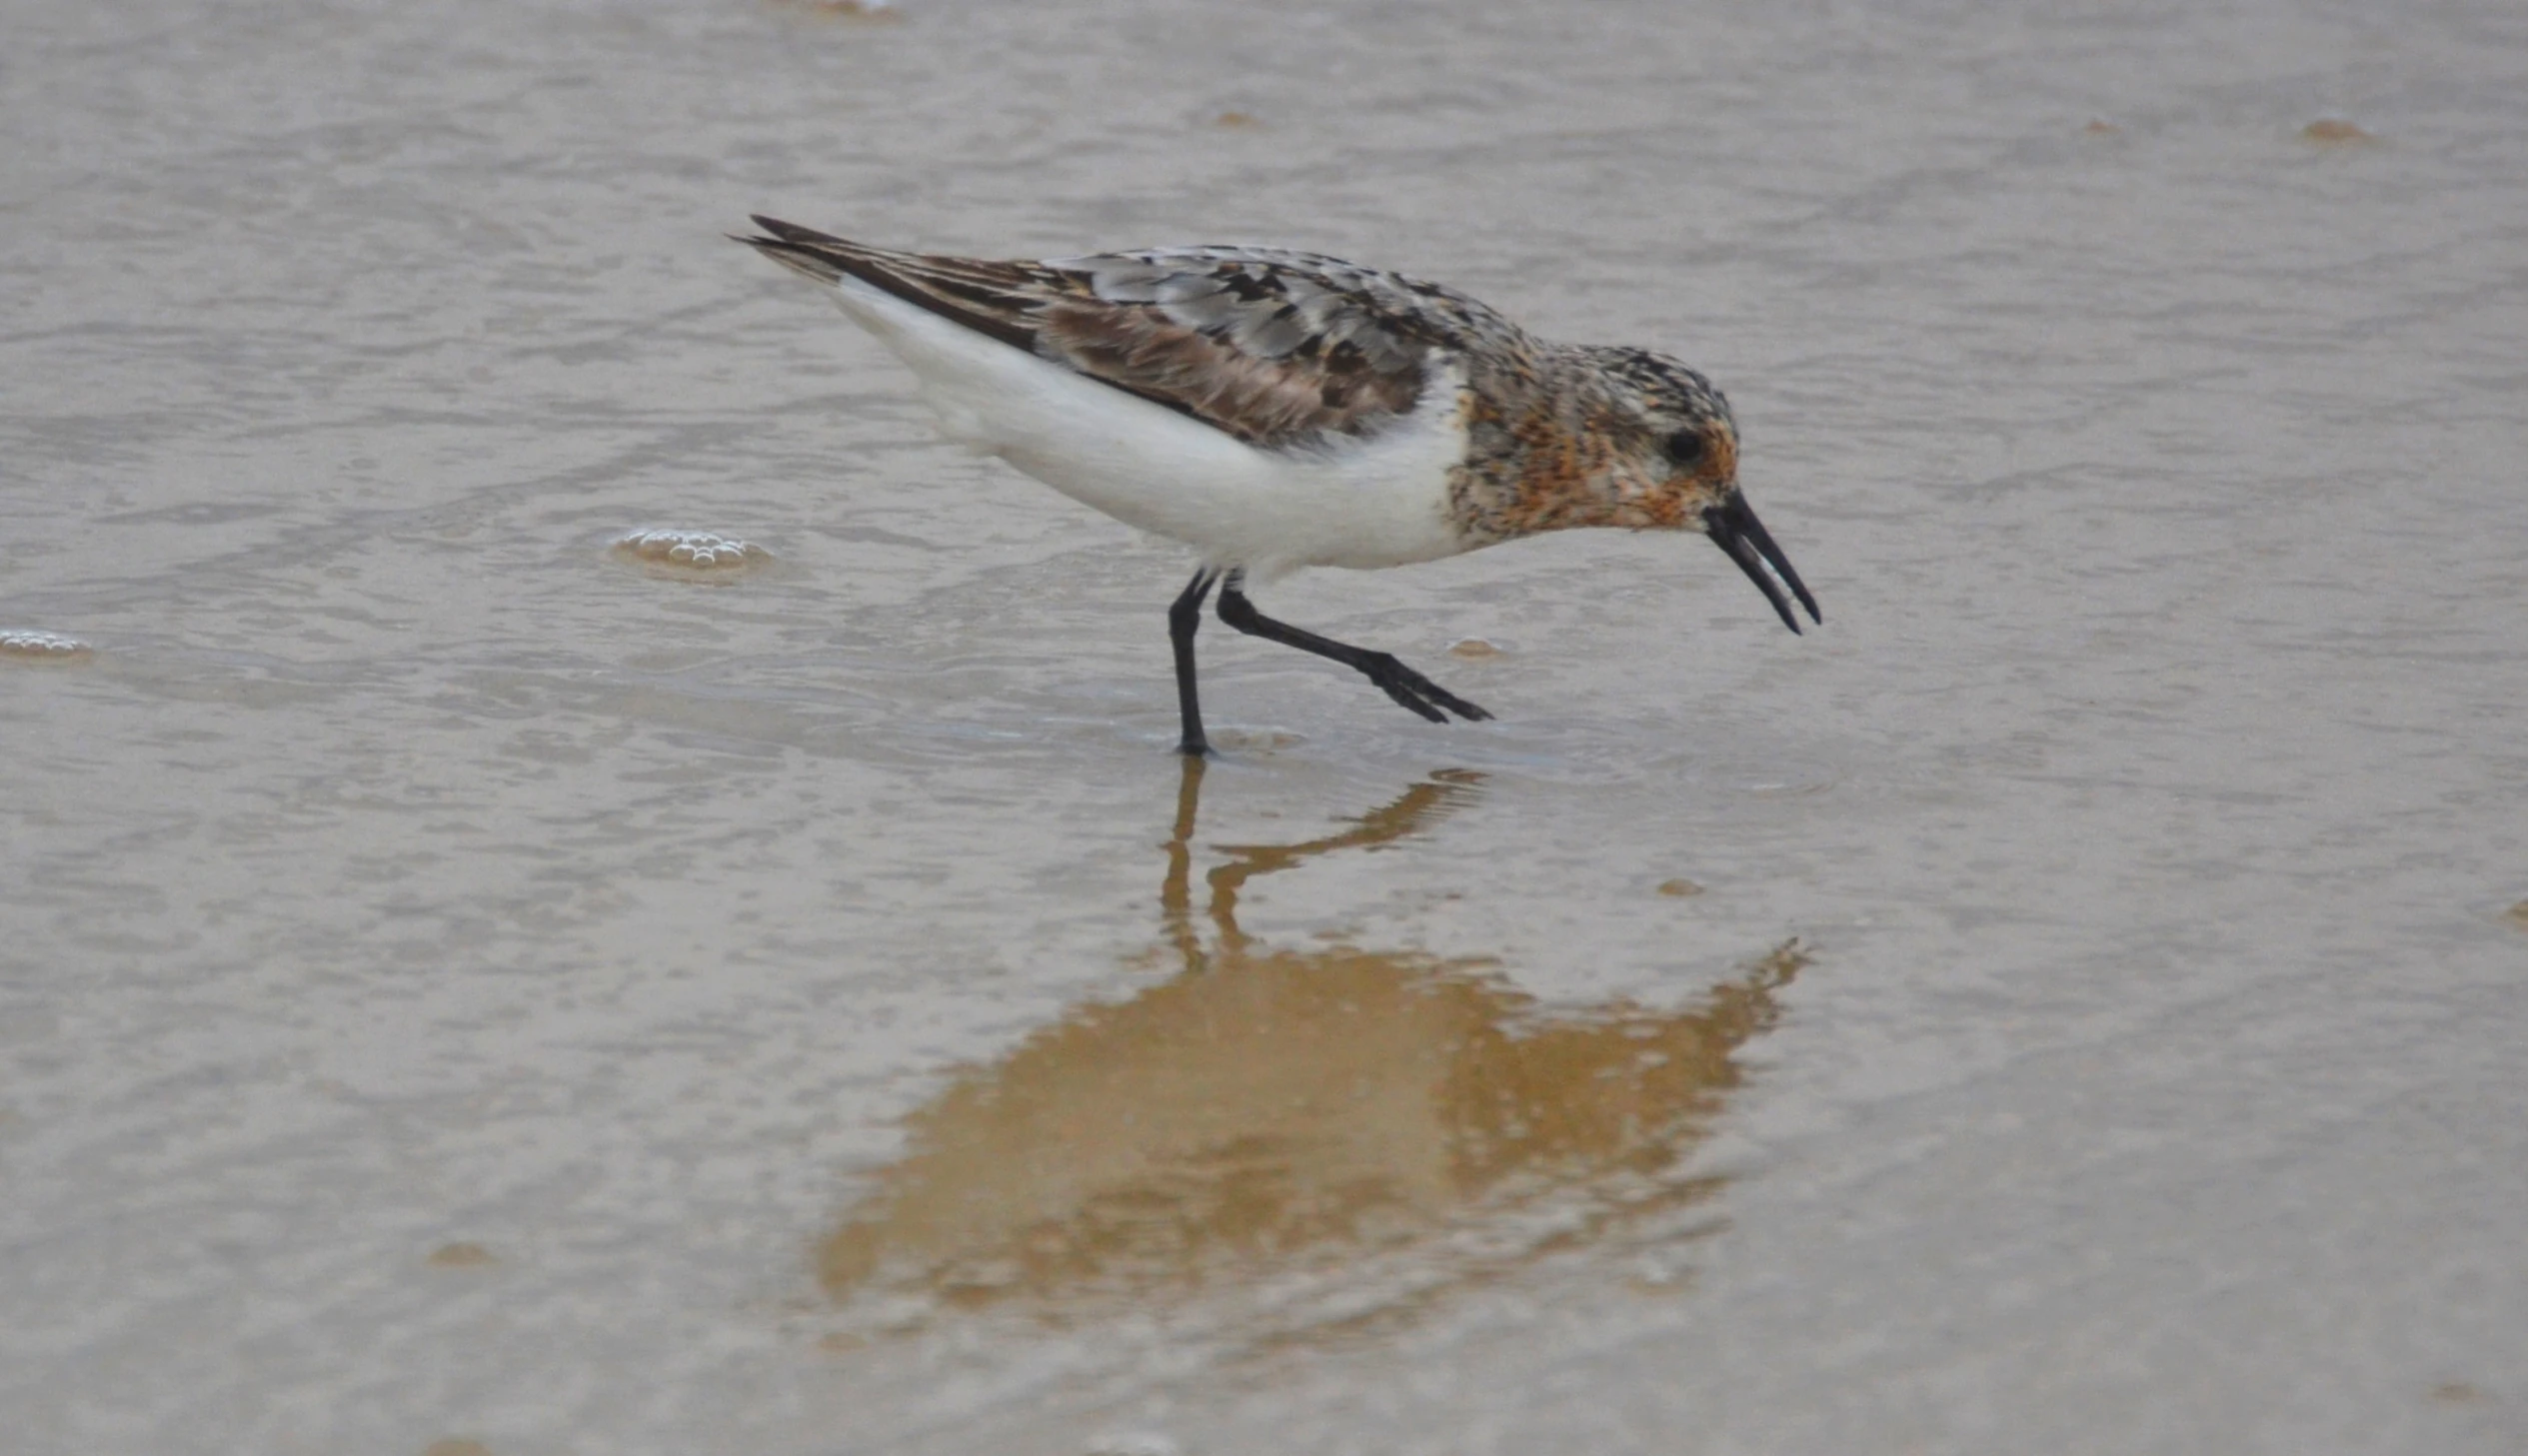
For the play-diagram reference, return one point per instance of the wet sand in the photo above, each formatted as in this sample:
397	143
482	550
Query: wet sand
469	973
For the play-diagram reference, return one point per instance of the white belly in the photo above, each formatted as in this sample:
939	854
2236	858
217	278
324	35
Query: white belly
1375	503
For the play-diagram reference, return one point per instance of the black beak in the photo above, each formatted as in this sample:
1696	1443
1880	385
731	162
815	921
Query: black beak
1736	529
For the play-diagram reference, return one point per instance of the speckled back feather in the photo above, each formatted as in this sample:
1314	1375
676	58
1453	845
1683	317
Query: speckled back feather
1277	348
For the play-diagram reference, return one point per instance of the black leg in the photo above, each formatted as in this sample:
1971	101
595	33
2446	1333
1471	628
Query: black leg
1182	618
1400	682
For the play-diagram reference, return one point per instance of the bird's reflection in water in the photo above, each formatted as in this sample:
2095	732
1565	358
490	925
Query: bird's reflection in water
1357	1131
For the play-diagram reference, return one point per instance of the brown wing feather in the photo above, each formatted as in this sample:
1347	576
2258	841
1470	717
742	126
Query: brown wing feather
1274	347
990	298
1270	348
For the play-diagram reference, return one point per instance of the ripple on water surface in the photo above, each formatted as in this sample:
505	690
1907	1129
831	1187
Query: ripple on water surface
698	555
27	645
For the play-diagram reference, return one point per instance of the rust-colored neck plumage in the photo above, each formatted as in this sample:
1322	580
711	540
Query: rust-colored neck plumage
1564	435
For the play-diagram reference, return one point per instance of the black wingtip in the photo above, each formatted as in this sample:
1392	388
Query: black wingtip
791	232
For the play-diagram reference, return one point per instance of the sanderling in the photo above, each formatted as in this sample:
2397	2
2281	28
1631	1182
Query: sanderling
1276	410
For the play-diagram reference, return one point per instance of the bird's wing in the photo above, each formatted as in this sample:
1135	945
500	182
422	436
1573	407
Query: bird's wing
1276	348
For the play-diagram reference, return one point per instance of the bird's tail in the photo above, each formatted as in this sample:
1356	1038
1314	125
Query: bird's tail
999	300
803	250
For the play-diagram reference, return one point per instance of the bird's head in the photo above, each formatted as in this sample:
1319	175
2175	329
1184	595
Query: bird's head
1673	466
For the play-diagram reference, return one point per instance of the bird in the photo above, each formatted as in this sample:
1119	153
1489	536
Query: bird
1274	409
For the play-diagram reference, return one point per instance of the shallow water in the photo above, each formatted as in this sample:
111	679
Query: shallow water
466	980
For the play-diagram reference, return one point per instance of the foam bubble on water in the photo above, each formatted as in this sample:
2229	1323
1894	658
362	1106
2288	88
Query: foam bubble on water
847	9
2334	131
691	551
1133	1443
28	643
1255	740
462	1256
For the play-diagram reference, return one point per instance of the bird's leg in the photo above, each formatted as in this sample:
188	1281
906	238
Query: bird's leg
1400	682
1182	618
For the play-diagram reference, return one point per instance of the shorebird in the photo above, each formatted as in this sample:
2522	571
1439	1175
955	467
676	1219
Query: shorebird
1276	410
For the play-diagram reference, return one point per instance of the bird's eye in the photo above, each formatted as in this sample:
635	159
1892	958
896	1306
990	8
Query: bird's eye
1686	446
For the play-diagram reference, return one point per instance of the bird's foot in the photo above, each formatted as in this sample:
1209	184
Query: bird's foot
1417	692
